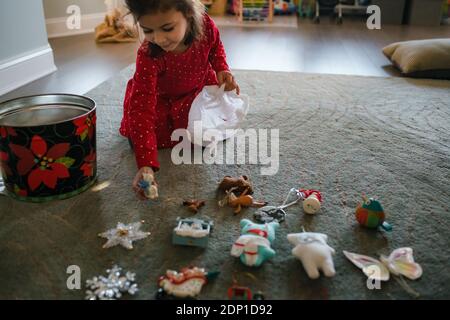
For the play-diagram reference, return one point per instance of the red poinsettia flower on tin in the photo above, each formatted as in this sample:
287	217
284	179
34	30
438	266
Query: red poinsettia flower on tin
4	163
20	192
85	126
5	131
88	165
46	166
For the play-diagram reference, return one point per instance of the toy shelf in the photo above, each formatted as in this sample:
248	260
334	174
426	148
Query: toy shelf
255	10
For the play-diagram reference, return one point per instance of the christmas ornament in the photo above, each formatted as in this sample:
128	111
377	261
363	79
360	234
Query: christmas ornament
400	263
124	235
194	205
238	202
149	186
192	232
184	284
111	287
312	250
273	213
253	246
312	200
370	214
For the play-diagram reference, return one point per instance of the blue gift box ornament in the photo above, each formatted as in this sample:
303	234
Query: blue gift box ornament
192	232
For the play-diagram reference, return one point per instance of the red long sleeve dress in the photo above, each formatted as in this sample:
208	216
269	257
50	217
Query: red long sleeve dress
159	96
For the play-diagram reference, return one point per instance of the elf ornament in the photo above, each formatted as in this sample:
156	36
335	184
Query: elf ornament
312	201
370	214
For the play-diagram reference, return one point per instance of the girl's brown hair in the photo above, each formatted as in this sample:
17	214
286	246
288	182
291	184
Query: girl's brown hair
193	11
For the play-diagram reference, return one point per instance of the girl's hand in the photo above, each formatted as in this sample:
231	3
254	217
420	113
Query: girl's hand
225	77
139	177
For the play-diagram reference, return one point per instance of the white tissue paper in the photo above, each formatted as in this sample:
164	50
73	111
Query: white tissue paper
216	112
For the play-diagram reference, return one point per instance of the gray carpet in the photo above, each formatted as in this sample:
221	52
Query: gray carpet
388	137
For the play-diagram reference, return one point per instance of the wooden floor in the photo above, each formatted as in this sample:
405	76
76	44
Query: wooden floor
326	48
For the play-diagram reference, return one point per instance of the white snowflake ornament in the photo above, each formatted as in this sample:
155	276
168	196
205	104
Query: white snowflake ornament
111	287
124	234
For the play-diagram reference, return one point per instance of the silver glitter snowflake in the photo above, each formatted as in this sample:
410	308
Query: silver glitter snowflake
111	287
124	234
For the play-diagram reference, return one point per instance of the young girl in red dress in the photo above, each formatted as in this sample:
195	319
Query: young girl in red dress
181	54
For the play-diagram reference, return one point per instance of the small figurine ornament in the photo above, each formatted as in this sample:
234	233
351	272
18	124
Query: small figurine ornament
184	284
314	253
149	186
238	202
253	246
240	184
312	201
192	232
194	205
370	214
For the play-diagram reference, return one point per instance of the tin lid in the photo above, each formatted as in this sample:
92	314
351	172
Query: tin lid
42	110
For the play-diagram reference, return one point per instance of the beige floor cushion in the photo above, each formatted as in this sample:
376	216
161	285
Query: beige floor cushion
421	58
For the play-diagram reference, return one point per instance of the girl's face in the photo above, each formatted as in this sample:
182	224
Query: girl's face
165	29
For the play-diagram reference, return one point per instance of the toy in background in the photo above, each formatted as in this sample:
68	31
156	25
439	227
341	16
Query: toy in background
194	205
400	263
284	7
312	250
187	283
370	214
117	26
446	11
253	247
255	10
148	184
192	232
306	8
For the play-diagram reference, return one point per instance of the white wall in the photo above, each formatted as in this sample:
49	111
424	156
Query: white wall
92	14
25	54
57	8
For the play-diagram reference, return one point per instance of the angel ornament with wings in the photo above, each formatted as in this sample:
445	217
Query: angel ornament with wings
400	263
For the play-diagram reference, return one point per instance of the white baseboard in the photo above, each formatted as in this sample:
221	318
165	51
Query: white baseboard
56	27
21	71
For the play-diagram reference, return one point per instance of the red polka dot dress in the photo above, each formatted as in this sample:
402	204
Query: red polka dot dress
159	96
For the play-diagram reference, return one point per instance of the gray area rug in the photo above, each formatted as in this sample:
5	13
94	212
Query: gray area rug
388	137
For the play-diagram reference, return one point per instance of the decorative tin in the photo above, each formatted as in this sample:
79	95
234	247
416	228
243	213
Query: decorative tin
47	146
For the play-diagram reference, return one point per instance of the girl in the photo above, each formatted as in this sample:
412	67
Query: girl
181	54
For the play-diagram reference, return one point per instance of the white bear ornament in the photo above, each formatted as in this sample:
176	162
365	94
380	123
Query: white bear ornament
314	252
